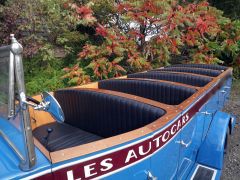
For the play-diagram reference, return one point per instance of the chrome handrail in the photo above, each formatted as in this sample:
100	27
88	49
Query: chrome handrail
12	145
11	98
30	156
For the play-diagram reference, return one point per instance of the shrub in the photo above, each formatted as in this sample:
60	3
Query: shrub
103	39
150	33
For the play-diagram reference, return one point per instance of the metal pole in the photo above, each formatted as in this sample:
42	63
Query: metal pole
11	99
30	159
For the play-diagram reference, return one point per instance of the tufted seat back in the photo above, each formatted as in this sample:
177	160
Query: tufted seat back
207	72
104	115
204	66
181	78
161	92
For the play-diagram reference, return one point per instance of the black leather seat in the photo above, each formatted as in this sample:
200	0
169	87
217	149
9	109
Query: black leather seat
207	72
93	115
103	114
193	80
63	136
161	92
204	66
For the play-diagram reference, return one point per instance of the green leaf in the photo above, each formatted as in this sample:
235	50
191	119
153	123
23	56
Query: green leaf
73	81
117	60
91	65
214	46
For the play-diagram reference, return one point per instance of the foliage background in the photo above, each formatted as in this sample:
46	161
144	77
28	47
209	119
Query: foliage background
73	42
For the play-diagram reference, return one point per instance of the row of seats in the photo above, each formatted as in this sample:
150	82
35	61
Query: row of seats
92	115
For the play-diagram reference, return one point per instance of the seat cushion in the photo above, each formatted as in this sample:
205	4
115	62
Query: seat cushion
63	136
157	91
206	72
204	66
193	80
104	114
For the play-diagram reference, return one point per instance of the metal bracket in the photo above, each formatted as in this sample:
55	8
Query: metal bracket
223	91
43	106
183	143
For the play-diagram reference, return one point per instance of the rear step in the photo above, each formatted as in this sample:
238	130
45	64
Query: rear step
204	173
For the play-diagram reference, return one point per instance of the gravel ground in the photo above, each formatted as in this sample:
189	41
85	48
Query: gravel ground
231	170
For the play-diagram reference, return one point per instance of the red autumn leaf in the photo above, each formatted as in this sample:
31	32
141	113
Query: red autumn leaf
66	5
124	7
201	25
229	42
173	42
66	69
100	30
120	68
179	8
84	10
76	67
205	3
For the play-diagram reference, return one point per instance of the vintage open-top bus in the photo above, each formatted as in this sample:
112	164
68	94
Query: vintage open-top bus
165	123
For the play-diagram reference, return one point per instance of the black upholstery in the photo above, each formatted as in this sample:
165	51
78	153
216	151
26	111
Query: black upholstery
91	116
207	72
162	92
181	78
204	66
63	136
104	115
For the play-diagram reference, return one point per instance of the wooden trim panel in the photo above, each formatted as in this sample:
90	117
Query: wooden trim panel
42	149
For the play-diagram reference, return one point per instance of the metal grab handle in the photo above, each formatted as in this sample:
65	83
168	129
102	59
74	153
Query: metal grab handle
206	113
183	143
150	176
227	87
223	91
